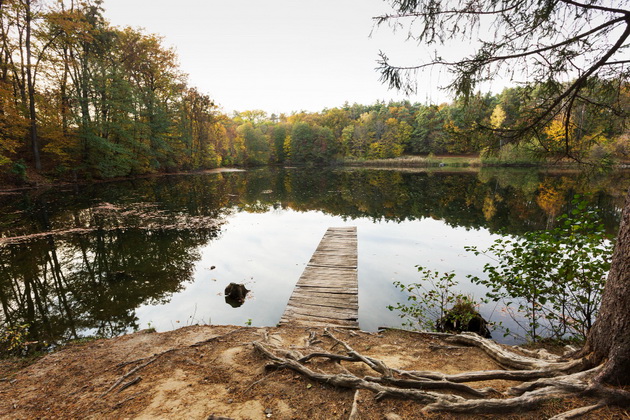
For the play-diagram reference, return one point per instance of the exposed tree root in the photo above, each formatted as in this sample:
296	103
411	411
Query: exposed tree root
344	380
526	400
486	375
578	412
354	412
544	380
512	360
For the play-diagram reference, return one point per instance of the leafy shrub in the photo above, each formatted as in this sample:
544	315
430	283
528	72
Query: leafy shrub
553	278
430	300
18	172
13	340
511	154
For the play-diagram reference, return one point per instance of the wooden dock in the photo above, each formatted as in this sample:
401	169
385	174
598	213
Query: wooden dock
327	292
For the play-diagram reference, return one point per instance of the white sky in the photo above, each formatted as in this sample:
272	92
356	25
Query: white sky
278	55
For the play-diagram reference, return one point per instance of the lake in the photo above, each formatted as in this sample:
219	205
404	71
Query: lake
109	258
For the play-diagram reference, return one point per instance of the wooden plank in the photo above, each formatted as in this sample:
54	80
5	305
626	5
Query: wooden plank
331	290
315	323
311	293
328	311
307	319
330	283
321	312
327	291
333	300
328	271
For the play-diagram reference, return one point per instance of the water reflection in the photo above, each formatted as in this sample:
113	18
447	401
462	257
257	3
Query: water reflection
109	258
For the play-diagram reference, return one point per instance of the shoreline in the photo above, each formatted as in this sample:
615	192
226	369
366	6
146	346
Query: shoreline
220	372
405	164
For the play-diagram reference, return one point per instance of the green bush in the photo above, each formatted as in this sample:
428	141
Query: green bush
13	340
511	154
553	278
18	171
430	300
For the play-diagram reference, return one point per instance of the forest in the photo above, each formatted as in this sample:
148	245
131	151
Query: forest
81	99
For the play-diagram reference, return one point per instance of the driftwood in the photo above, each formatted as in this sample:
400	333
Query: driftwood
543	379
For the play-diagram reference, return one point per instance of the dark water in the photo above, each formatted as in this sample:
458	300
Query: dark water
110	258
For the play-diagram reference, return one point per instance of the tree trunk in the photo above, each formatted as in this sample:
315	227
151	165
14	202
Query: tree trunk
609	339
31	89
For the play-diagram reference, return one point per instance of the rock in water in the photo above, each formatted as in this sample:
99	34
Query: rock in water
235	294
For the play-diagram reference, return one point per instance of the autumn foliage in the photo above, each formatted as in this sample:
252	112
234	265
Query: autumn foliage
82	99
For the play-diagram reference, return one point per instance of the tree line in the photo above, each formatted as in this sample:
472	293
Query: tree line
80	98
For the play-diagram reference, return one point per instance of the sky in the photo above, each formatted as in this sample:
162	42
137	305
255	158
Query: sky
281	56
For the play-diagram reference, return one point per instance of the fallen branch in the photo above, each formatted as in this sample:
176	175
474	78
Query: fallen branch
253	384
130	383
120	404
128	374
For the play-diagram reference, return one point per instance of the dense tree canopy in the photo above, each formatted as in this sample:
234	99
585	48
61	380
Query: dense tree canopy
80	98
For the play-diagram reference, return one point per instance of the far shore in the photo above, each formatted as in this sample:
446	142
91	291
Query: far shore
404	163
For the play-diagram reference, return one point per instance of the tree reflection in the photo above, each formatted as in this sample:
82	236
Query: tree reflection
500	201
80	261
91	281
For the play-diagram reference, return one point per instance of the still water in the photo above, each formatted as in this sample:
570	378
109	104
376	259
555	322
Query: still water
114	257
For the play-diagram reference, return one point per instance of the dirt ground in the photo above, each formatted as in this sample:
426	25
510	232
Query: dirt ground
213	372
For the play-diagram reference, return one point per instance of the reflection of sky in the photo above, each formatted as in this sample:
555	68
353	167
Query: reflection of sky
268	252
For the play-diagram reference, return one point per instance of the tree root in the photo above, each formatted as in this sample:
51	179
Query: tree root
544	380
578	412
345	380
512	360
354	412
